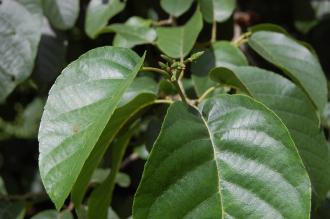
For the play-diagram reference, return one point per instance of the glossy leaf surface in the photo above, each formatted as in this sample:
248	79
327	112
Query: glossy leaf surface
295	60
61	14
99	12
292	105
138	96
233	158
20	30
79	106
177	42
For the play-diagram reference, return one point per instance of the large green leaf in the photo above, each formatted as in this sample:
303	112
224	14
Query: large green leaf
291	104
177	42
222	53
20	30
175	7
78	108
135	31
218	10
295	60
61	14
138	96
101	197
99	13
233	158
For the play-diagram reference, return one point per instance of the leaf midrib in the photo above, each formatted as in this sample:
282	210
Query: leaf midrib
217	164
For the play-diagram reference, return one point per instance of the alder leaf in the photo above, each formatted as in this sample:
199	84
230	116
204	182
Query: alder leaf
295	109
232	158
79	106
218	10
175	7
137	97
98	14
177	42
20	31
61	14
296	61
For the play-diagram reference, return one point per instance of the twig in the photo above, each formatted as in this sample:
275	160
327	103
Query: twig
214	31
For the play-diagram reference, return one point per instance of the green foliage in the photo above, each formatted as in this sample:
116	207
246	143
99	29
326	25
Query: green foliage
177	42
64	126
295	60
224	128
61	14
19	37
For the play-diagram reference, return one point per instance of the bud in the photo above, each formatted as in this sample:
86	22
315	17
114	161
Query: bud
166	58
174	65
196	56
162	65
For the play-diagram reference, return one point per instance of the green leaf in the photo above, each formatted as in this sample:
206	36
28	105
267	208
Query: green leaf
26	123
233	156
99	13
79	106
174	7
295	60
20	31
177	42
291	104
99	175
101	197
268	27
61	14
139	95
218	10
135	31
53	214
222	53
12	210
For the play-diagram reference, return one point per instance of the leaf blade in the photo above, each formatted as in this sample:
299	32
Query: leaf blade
297	62
292	105
98	14
201	160
177	42
79	106
61	14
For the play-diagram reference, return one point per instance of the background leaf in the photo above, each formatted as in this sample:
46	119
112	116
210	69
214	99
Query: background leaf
99	13
177	42
135	31
174	7
61	14
218	10
101	197
79	106
295	60
138	96
291	104
222	53
236	155
20	32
